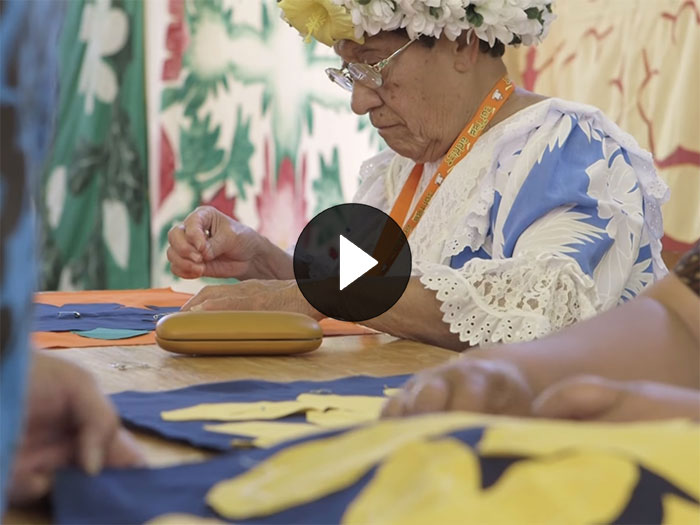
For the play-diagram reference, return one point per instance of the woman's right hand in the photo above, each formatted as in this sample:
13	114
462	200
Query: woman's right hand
209	243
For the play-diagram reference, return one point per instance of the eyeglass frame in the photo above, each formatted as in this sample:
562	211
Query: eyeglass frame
369	75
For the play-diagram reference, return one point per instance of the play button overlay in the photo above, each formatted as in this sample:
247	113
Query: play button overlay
352	262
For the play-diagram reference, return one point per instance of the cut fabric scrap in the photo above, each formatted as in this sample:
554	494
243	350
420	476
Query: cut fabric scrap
368	406
110	334
361	404
235	411
143	410
265	434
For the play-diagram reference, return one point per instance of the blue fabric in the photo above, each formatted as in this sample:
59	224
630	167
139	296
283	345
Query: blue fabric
136	496
139	495
50	318
142	409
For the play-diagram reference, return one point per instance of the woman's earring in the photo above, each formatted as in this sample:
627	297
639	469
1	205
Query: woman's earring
469	37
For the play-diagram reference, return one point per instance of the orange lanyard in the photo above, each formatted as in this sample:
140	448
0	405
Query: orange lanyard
459	149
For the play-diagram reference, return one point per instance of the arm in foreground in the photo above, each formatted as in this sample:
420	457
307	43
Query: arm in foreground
654	338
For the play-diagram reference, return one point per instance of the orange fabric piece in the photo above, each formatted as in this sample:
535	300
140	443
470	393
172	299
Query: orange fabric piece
140	299
130	298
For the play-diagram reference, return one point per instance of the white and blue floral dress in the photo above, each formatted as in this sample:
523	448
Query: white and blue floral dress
553	217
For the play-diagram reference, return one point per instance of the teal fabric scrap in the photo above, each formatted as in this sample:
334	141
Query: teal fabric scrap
110	334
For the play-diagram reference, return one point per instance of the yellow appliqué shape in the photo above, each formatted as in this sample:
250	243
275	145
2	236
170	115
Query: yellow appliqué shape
370	405
581	487
314	469
678	511
235	411
669	449
439	482
420	483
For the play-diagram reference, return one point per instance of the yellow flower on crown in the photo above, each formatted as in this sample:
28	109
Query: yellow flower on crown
320	19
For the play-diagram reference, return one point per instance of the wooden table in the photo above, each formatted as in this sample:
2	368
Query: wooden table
149	368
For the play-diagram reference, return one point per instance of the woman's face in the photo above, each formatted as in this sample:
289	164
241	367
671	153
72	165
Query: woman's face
420	108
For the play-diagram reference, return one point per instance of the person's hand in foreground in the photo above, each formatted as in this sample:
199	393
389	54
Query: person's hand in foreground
67	421
211	244
499	387
595	398
465	384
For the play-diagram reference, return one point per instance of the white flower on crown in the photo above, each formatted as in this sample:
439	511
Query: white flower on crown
507	21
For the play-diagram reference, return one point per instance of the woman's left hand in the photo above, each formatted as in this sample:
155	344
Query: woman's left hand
253	294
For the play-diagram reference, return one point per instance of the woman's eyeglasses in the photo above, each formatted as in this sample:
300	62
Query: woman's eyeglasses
368	75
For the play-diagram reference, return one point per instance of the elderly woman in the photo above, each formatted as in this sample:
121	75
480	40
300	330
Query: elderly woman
524	214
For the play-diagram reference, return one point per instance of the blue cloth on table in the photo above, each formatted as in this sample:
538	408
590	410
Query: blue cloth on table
142	409
139	495
50	318
136	496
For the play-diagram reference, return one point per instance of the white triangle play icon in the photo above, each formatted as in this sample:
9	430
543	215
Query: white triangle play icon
354	263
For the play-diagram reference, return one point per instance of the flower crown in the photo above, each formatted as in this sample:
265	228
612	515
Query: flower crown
511	22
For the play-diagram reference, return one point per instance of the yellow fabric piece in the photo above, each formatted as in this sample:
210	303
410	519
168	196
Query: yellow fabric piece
363	404
678	511
335	418
370	405
439	482
264	434
235	411
314	469
584	487
419	479
670	449
390	392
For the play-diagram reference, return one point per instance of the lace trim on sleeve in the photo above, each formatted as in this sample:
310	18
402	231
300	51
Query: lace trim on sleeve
518	299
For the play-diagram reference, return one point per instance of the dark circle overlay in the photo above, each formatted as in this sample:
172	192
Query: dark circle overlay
317	262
